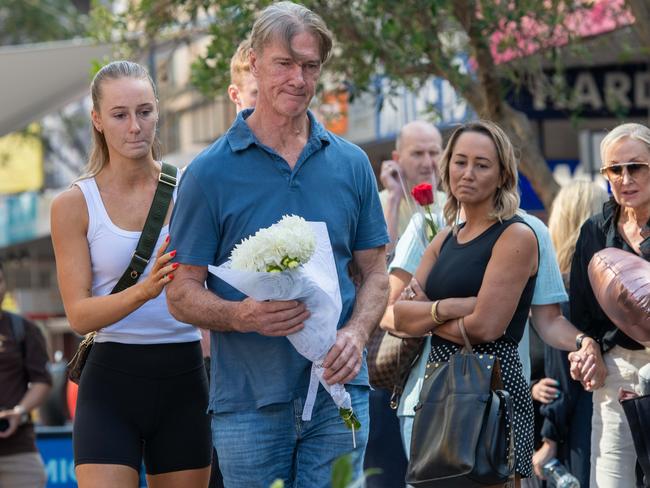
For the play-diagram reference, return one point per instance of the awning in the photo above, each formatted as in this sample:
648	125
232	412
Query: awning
39	78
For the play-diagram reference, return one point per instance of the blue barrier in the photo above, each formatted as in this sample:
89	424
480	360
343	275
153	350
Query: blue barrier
55	446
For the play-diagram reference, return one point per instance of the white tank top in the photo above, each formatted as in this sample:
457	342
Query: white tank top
110	253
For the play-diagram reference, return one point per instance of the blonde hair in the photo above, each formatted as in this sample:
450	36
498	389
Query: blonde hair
240	62
113	71
573	205
638	132
283	21
506	198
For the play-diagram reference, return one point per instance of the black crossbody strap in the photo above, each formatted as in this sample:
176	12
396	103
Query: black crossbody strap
166	184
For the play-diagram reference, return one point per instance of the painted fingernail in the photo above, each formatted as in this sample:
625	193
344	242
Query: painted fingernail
173	253
175	265
167	238
171	277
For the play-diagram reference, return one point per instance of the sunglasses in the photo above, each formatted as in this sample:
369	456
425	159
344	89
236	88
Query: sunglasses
634	169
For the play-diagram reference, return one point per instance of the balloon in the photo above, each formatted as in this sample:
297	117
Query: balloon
621	283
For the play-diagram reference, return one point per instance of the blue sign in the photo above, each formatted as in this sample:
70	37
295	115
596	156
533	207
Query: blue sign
55	446
529	199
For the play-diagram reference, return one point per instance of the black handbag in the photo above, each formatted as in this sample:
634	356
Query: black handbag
144	249
462	433
637	411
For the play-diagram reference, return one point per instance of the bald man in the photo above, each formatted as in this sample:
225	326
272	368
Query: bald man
415	160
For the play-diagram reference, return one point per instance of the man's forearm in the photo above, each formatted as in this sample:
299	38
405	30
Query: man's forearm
35	396
370	304
194	304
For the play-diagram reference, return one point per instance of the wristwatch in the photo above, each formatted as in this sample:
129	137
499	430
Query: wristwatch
579	339
22	412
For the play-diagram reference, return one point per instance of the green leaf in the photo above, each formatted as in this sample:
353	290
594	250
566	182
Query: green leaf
342	472
349	418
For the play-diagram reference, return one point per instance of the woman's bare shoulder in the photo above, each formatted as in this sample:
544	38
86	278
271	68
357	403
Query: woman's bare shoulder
70	205
518	240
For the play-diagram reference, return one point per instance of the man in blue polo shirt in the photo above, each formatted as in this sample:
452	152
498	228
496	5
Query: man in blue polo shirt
274	161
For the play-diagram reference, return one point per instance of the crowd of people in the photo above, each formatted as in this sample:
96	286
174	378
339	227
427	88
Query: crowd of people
144	395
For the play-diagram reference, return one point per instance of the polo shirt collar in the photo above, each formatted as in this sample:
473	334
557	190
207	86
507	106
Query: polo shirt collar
240	136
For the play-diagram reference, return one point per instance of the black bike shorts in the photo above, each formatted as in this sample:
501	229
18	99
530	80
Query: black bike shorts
146	402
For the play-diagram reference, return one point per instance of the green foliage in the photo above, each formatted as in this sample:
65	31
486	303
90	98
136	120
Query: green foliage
342	474
349	418
408	42
25	21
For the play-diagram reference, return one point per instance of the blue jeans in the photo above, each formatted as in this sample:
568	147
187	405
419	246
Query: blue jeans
259	446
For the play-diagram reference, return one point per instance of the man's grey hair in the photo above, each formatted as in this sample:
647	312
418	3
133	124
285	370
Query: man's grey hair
283	21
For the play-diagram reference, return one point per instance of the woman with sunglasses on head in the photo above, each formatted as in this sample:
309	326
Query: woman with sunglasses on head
143	392
624	224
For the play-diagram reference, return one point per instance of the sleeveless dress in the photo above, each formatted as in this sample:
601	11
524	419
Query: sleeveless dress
458	273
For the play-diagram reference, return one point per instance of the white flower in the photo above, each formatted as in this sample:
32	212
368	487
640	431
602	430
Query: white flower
284	246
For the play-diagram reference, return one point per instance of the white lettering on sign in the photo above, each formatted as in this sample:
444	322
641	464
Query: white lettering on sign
60	471
642	90
619	90
585	92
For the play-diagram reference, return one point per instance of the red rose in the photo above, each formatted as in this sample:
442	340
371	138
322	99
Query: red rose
423	193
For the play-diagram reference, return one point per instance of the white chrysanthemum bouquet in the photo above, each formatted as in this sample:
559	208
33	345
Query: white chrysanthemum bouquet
293	260
283	246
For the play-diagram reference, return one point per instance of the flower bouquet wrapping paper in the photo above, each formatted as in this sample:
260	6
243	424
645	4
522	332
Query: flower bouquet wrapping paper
293	260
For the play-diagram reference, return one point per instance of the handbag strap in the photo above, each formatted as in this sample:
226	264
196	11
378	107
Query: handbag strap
167	182
461	326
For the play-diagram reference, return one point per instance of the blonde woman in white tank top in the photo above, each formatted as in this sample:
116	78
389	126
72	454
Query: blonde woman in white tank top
144	361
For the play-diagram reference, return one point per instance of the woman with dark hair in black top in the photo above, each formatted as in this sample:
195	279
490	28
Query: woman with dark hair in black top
483	270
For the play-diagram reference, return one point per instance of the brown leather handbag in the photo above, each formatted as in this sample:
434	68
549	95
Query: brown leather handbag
76	364
462	432
390	360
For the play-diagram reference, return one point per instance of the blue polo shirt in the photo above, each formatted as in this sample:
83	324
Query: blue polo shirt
234	188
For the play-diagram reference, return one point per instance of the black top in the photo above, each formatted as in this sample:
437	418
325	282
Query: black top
459	269
597	233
